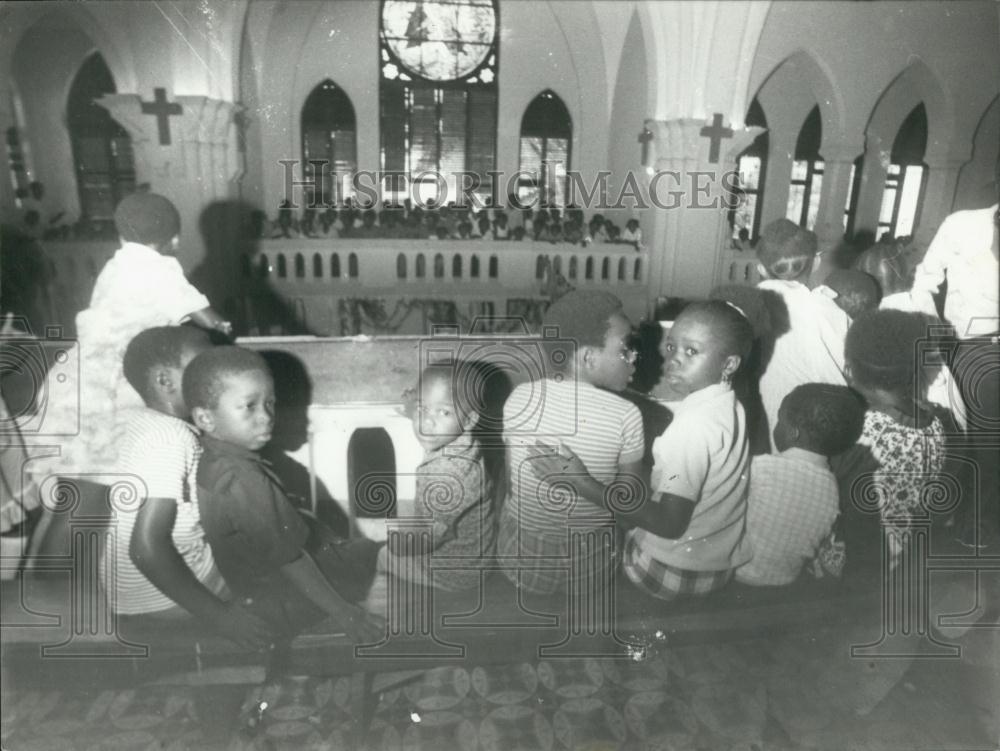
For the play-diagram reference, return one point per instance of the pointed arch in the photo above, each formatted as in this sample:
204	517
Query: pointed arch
329	141
915	85
813	86
545	150
102	148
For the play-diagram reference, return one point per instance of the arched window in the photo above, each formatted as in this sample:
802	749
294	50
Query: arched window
474	267
905	178
282	266
401	266
589	268
421	266
438	266
456	266
317	266
751	166
329	143
352	265
807	173
335	266
102	149
494	267
300	266
546	135
438	94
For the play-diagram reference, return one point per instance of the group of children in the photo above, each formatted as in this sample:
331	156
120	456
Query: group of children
216	535
450	222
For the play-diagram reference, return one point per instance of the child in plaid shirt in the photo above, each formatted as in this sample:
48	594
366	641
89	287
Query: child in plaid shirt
793	502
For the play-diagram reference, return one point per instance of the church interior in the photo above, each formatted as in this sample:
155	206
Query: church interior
360	183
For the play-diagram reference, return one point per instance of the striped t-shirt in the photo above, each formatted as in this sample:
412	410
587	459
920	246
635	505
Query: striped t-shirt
601	428
159	454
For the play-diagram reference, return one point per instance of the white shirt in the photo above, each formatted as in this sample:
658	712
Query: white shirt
961	252
704	456
811	351
166	473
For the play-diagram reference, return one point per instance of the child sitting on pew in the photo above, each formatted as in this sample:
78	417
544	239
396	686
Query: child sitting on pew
793	503
454	490
289	571
569	436
902	431
159	554
689	537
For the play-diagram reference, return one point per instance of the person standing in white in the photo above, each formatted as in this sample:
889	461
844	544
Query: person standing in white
964	251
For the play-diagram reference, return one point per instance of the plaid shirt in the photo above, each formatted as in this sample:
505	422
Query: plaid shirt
791	509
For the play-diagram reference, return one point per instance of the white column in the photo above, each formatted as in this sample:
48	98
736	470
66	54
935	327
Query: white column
833	199
872	184
197	167
689	226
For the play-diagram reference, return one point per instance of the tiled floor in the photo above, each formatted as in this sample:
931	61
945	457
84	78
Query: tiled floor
778	693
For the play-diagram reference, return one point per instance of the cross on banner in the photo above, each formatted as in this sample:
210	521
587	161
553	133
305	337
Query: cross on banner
715	132
644	138
162	109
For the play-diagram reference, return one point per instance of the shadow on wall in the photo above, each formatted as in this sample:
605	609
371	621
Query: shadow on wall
236	288
293	394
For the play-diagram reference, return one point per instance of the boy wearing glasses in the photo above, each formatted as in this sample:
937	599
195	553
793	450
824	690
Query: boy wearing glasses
569	437
808	345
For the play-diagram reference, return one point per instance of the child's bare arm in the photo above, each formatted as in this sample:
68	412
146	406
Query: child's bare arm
667	516
153	553
629	489
207	318
305	575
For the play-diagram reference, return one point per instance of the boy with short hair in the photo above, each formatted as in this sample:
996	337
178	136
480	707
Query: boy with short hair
159	553
811	350
261	543
793	500
594	430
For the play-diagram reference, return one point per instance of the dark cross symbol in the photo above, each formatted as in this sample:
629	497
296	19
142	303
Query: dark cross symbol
644	138
716	133
162	109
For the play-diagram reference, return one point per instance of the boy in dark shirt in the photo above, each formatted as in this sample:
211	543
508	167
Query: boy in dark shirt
260	542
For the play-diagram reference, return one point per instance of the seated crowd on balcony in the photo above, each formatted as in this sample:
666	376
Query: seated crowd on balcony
450	222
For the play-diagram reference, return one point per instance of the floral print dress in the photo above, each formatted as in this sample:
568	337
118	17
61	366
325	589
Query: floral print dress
909	464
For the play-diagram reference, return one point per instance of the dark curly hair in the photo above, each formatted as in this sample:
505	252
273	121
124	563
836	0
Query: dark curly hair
203	378
583	316
829	418
882	350
161	346
857	291
729	321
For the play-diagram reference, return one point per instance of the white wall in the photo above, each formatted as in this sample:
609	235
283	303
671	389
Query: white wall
977	186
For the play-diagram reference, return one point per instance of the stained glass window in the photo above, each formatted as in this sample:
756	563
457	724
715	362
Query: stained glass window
102	149
438	96
546	134
440	40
